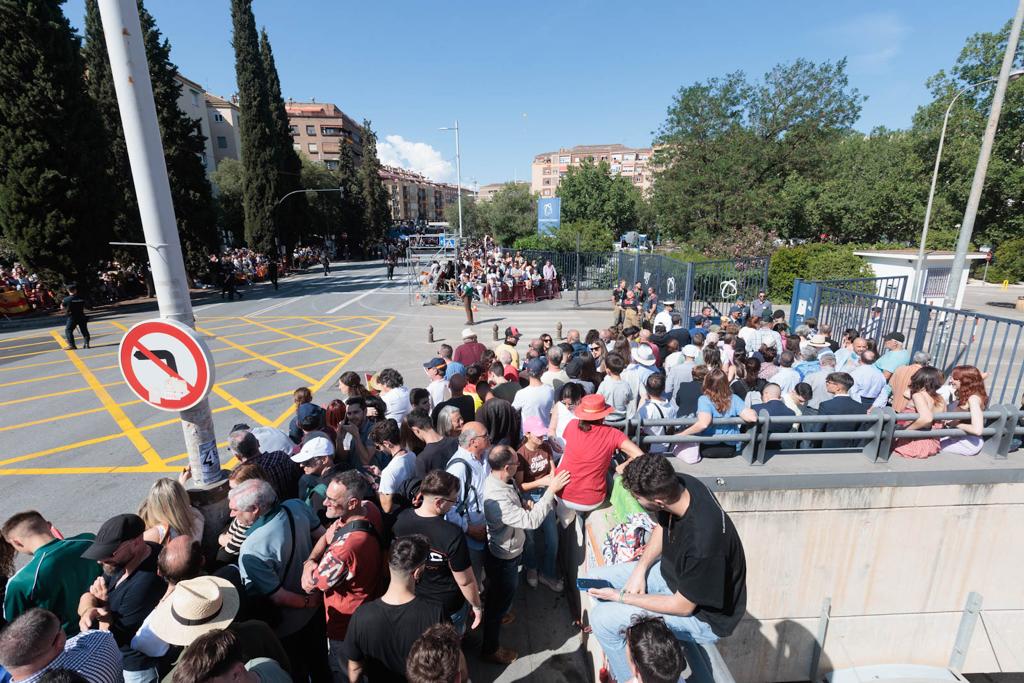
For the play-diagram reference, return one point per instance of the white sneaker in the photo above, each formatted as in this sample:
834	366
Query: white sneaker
557	586
531	578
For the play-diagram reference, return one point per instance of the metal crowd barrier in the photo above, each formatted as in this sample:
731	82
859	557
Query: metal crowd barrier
875	432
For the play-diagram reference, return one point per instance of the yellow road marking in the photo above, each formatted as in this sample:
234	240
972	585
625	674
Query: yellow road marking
38	379
26	399
34	365
297	338
116	324
238	405
246	334
47	342
62	416
123	469
30	353
126	425
267	359
60	449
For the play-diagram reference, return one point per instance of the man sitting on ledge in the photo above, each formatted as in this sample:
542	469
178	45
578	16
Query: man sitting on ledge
692	573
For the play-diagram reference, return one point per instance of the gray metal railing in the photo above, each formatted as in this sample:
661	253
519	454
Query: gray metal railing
892	286
951	336
875	433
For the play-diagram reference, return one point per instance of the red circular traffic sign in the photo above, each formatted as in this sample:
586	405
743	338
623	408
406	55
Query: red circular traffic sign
166	364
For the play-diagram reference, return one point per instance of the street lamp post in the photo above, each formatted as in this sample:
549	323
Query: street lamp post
967	225
458	170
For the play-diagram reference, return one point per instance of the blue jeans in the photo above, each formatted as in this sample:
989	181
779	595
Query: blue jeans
610	619
502	580
549	530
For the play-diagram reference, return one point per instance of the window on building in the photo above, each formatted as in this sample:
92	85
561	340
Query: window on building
642	157
564	159
629	157
331	164
195	98
297	147
547	171
312	148
547	193
547	181
310	130
604	157
330	130
616	157
294	130
561	174
616	168
576	160
218	117
627	169
222	142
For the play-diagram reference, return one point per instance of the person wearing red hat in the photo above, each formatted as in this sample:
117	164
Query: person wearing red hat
589	446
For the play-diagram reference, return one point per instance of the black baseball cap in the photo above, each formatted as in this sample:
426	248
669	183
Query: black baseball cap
896	336
112	534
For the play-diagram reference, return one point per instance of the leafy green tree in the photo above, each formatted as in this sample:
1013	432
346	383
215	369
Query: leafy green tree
816	261
728	148
324	208
293	214
590	192
511	213
182	138
593	235
54	205
259	142
474	222
230	198
376	212
1008	261
1001	213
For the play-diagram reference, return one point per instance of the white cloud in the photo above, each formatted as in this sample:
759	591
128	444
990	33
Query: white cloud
394	150
873	40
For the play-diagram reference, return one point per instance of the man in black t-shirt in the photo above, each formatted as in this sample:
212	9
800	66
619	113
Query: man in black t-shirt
127	591
693	572
383	631
448	578
74	307
438	449
459	399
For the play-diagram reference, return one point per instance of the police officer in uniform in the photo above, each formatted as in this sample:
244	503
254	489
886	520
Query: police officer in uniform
74	306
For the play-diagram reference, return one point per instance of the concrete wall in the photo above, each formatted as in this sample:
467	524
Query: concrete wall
898	564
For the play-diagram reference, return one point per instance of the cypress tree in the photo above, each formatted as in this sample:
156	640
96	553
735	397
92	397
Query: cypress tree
293	214
182	137
351	213
376	213
53	205
259	185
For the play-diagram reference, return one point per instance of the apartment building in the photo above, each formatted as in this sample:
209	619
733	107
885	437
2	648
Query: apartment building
192	101
225	131
416	198
487	192
549	168
320	128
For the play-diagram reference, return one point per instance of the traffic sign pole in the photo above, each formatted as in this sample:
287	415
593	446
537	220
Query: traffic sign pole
125	46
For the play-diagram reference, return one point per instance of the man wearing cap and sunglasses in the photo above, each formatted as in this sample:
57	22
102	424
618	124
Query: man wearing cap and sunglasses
512	335
895	356
127	592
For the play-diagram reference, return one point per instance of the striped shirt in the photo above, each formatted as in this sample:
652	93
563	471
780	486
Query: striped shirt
93	654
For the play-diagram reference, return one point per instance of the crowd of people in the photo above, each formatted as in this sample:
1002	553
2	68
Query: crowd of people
114	280
385	533
483	271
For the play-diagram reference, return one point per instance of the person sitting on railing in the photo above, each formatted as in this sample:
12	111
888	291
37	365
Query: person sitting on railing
693	572
656	407
971	397
924	396
839	384
718	402
900	380
776	408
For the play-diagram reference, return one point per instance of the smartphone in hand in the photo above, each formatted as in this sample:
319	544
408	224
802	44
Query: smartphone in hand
585	584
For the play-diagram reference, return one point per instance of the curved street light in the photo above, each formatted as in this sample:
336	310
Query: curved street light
918	266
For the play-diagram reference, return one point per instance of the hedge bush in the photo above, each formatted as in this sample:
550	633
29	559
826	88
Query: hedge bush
812	262
1007	262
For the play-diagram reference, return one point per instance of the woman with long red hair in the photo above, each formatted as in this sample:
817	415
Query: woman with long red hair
971	397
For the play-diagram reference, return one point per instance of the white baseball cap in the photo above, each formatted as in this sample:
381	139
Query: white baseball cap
691	351
468	333
317	447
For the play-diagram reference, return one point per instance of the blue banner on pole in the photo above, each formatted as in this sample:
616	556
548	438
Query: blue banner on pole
549	215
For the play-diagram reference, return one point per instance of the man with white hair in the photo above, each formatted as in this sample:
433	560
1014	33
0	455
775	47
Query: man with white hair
469	466
270	560
682	372
817	379
470	351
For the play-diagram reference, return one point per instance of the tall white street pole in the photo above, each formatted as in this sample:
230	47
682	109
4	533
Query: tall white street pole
919	266
134	89
458	173
967	225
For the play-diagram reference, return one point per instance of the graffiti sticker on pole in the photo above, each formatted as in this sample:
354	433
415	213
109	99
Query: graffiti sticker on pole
166	364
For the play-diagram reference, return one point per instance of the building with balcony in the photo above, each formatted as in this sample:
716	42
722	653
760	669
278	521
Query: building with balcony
549	168
319	128
225	131
414	198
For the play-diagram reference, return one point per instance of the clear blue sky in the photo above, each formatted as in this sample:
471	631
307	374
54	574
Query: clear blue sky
583	72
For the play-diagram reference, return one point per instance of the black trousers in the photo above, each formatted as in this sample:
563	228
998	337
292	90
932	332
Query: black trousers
307	649
69	330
